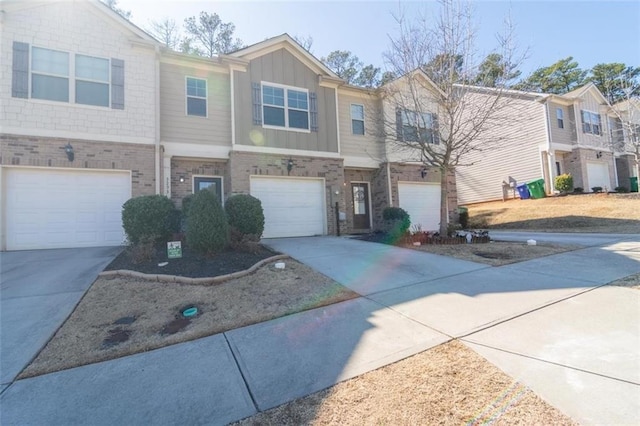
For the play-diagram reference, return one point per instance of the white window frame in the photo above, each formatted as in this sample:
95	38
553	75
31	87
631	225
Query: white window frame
592	116
76	79
71	77
560	117
420	118
364	130
187	96
286	107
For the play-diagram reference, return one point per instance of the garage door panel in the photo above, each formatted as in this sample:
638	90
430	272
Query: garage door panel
598	175
292	207
54	208
422	202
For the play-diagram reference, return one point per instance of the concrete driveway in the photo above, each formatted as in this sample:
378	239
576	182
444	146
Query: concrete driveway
38	291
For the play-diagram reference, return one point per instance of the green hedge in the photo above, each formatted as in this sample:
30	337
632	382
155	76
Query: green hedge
245	216
207	226
149	218
564	183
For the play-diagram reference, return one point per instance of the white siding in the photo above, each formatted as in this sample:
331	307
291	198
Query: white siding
516	158
78	27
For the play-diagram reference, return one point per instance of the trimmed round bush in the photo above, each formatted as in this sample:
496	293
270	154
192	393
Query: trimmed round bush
245	215
564	183
397	221
207	226
149	218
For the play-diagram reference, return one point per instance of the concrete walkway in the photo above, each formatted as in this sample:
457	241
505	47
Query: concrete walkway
544	321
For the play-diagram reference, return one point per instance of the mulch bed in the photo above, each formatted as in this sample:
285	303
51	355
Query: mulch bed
192	264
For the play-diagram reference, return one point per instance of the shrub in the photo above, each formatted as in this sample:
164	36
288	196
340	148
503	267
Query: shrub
142	251
463	217
397	221
564	183
149	218
578	190
622	189
207	226
596	189
245	216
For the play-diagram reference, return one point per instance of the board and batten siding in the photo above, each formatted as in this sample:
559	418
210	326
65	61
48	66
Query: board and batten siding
591	104
281	67
368	145
516	158
565	135
176	125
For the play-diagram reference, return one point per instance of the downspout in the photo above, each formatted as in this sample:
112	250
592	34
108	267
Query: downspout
157	127
389	183
547	125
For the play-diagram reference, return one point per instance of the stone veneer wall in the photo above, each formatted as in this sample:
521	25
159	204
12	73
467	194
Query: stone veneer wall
33	151
242	165
189	167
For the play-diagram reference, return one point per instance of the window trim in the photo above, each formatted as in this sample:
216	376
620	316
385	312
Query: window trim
590	115
71	78
187	96
404	112
212	177
285	107
560	117
364	130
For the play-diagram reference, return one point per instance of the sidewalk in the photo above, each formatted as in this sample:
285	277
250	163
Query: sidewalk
544	321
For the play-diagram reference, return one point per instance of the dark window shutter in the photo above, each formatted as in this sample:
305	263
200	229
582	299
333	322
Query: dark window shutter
20	77
117	83
399	124
436	129
257	104
313	111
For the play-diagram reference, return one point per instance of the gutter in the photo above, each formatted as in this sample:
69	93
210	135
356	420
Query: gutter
157	114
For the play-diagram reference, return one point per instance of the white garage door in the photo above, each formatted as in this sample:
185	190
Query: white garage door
422	202
292	207
64	208
598	175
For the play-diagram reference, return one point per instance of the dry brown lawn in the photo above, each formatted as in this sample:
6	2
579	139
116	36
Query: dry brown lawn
496	253
608	213
447	385
269	293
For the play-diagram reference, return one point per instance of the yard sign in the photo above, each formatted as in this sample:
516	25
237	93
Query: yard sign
174	249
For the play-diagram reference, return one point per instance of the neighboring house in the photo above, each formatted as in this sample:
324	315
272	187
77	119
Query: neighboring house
95	111
78	124
576	133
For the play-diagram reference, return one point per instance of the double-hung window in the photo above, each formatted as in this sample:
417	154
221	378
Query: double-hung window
591	122
357	119
196	96
286	107
419	127
49	74
92	81
560	118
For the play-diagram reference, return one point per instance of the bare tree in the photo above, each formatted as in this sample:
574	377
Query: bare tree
113	5
625	127
165	31
305	41
432	115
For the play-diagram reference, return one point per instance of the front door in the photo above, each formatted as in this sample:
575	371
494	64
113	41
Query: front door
360	195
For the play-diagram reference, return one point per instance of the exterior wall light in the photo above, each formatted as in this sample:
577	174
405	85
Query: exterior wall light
289	165
423	172
68	149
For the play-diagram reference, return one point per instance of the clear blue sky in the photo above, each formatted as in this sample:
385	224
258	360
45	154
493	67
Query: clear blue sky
590	31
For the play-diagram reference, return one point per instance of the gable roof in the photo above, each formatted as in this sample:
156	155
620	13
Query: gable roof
581	91
419	73
285	41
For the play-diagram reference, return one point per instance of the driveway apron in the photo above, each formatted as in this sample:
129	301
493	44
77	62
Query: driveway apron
38	291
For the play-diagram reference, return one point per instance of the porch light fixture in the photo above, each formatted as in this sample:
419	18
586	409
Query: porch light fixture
423	172
289	165
181	179
599	154
68	149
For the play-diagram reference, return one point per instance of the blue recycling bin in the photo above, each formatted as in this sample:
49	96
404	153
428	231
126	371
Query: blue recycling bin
523	191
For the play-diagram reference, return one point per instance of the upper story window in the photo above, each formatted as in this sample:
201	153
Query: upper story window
418	127
284	106
560	117
591	122
357	119
54	75
49	75
92	81
196	96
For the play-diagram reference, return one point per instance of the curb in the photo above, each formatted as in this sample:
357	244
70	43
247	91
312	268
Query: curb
187	280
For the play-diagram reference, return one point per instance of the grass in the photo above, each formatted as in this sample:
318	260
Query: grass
605	213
